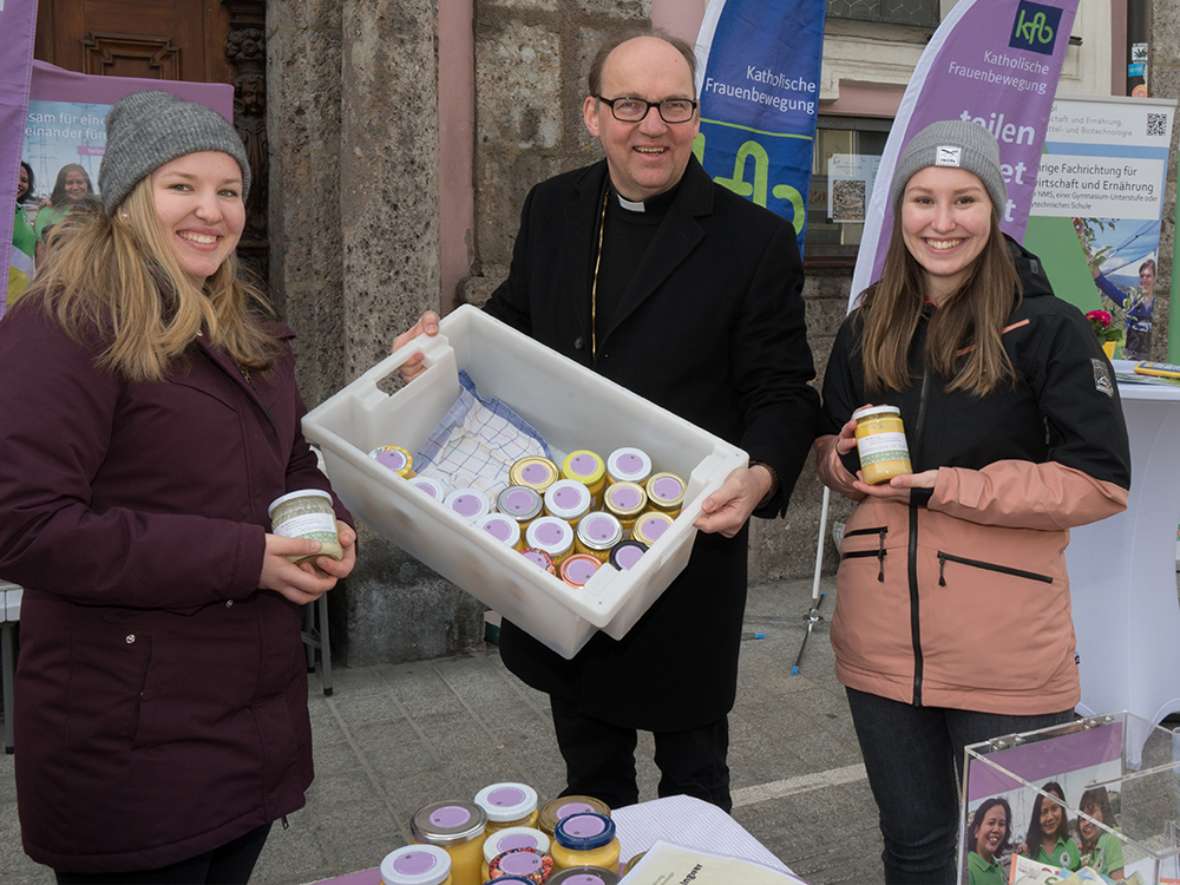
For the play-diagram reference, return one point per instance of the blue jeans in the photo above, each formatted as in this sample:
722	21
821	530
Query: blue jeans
914	757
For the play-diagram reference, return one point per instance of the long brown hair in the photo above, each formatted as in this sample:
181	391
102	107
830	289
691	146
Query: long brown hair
118	277
968	323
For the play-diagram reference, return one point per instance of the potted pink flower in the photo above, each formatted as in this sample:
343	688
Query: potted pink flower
1105	331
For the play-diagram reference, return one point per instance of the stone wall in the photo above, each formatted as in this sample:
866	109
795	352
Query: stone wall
355	256
531	62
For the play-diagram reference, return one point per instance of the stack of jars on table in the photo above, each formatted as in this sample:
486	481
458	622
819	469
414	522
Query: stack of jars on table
571	520
503	837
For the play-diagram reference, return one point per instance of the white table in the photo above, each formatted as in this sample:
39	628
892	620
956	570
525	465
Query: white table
10	599
1123	572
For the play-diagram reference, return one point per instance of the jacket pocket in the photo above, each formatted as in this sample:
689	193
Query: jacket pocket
944	558
879	551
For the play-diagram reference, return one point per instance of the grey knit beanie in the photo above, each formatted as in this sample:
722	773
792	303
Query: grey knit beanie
145	130
957	144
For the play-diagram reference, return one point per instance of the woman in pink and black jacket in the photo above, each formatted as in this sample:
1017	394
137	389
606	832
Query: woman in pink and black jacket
952	622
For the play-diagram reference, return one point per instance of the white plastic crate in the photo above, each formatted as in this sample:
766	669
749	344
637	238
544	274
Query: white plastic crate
572	408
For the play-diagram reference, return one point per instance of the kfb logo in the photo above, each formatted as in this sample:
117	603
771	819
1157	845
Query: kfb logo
1035	28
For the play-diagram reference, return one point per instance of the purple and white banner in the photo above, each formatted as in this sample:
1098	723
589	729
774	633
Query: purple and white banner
994	62
18	24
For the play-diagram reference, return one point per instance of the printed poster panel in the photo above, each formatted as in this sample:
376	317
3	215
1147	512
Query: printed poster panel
1098	205
65	138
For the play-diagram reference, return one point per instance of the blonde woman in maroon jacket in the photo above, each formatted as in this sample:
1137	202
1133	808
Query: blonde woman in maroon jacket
150	416
952	622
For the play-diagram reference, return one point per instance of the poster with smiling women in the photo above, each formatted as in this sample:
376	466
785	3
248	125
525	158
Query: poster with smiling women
64	138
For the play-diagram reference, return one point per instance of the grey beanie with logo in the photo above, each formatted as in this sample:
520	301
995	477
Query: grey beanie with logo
145	130
956	144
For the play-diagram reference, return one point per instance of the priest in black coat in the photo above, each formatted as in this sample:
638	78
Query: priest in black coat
643	269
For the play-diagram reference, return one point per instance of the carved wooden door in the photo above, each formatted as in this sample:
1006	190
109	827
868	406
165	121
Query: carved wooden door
218	41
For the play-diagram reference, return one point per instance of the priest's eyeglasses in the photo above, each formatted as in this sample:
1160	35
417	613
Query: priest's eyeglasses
628	109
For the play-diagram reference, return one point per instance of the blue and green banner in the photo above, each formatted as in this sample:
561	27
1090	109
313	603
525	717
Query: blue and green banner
758	74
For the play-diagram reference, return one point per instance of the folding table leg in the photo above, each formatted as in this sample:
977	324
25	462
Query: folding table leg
8	654
325	645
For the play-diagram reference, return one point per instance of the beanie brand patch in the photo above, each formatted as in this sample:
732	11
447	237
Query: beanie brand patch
948	155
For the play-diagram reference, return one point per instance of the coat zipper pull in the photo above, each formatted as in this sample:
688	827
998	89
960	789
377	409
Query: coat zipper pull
286	826
881	556
941	570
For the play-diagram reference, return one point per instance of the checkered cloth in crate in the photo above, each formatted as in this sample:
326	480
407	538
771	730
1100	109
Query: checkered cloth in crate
477	441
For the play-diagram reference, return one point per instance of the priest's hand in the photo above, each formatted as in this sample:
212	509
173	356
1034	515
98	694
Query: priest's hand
726	510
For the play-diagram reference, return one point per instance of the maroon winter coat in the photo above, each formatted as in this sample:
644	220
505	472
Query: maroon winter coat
161	698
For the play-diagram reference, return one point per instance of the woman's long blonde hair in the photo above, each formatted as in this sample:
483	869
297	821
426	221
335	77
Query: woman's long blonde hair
118	277
967	324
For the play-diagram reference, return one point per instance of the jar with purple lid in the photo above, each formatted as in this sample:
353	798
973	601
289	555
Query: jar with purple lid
508	805
458	828
428	485
527	864
534	471
521	503
555	810
597	533
652	526
395	459
586	840
578	569
626	501
416	865
551	535
502	527
568	499
665	492
540	559
513	837
584	876
628	465
469	504
625	554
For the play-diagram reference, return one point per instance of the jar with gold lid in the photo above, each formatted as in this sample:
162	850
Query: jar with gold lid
534	471
555	810
395	459
625	501
650	527
665	492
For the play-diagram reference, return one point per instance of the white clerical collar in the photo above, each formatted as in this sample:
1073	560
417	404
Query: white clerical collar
628	205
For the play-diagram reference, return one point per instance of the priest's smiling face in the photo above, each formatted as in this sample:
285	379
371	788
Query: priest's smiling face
647	157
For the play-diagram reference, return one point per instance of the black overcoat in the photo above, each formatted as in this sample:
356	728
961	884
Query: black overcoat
711	327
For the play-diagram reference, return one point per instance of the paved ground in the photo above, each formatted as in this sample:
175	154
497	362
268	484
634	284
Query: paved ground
394	737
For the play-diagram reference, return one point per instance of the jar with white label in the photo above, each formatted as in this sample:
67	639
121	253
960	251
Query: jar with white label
417	865
552	536
502	527
307	513
881	443
628	465
568	499
469	504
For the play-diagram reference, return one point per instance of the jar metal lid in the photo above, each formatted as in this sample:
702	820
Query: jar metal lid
599	530
504	529
514	837
562	807
625	499
428	485
540	559
585	831
393	458
584	876
584	466
665	490
628	465
507	801
625	554
874	411
522	503
650	527
445	823
468	503
550	535
534	471
577	570
291	496
416	865
567	498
